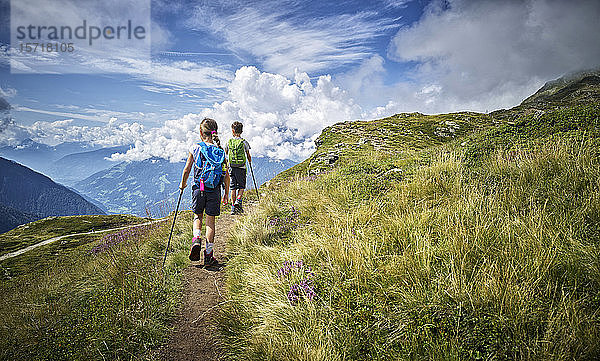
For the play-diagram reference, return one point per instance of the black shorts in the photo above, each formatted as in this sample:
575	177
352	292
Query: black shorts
208	202
238	178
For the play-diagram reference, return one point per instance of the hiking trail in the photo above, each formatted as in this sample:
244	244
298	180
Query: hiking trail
195	335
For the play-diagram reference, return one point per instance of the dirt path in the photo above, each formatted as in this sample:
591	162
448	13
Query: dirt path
195	334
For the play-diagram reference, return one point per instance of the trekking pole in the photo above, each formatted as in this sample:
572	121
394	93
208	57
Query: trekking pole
254	180
172	226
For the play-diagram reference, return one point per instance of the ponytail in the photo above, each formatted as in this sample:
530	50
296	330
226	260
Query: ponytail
209	128
215	139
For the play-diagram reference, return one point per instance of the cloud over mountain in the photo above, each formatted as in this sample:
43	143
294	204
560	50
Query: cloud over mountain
281	117
487	54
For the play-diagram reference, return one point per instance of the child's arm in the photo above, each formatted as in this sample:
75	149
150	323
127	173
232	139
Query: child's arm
186	171
247	149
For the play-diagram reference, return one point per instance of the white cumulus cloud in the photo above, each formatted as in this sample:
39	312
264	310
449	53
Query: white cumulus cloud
487	54
65	130
281	117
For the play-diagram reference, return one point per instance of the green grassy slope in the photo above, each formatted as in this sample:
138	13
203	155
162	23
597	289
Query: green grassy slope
93	297
32	233
459	236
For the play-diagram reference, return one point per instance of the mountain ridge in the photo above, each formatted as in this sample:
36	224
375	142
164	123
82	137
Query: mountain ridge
144	186
75	167
410	130
39	156
36	194
11	218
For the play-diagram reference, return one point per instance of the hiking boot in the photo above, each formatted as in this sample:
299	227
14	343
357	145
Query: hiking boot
238	205
196	248
209	260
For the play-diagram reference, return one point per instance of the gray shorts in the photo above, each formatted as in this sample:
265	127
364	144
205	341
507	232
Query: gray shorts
208	202
238	178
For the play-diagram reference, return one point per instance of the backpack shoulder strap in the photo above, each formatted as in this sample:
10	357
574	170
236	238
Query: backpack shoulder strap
198	154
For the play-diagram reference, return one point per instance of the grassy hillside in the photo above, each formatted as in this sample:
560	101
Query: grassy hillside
94	297
31	233
443	237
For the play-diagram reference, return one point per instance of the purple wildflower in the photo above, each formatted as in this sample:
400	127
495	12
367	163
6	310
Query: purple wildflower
133	233
286	223
304	288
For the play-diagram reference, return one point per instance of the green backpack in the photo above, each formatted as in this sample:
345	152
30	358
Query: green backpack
237	152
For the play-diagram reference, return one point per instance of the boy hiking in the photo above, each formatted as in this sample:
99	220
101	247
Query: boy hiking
237	150
210	171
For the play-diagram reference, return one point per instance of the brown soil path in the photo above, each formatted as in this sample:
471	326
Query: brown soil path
195	333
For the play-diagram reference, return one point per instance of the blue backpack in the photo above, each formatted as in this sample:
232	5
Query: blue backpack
210	162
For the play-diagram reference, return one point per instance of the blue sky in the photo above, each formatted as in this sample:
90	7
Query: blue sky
189	40
289	68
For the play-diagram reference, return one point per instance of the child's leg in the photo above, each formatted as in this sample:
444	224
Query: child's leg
210	233
241	184
197	240
197	225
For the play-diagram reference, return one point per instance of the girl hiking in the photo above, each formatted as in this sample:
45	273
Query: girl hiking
210	171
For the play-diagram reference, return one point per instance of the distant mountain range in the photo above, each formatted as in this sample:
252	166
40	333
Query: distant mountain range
130	187
72	168
127	187
135	187
26	195
40	157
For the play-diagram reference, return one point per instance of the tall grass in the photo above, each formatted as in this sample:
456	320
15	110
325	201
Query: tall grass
101	299
497	260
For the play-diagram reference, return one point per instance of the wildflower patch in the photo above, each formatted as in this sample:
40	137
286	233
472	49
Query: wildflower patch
280	226
300	280
133	233
286	222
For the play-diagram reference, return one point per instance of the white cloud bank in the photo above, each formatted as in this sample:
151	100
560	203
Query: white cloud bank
281	117
488	54
61	131
64	131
